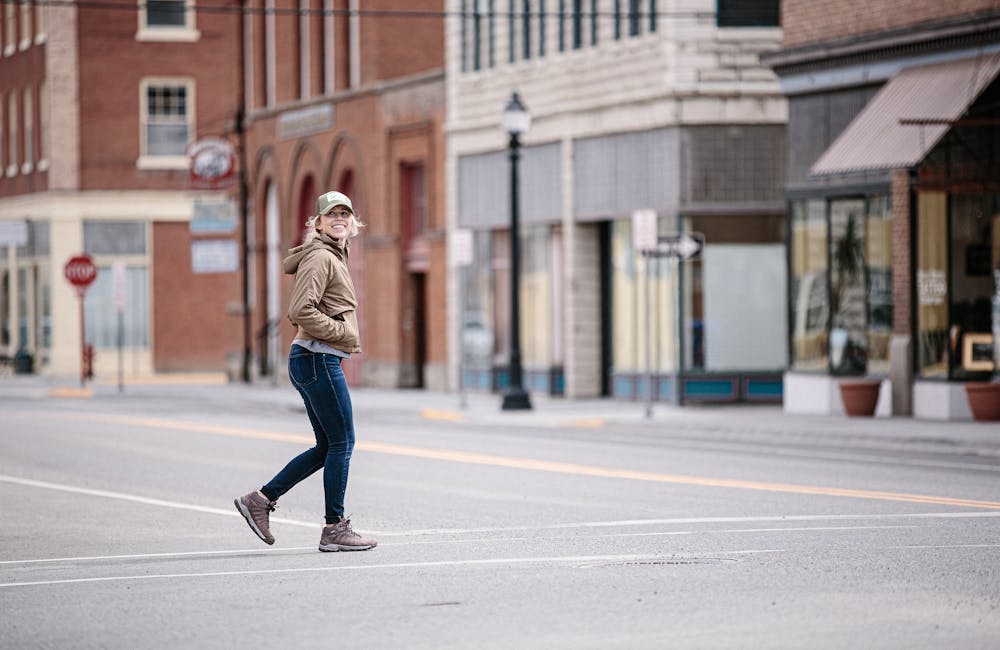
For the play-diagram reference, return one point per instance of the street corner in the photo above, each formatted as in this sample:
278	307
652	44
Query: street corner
442	414
70	392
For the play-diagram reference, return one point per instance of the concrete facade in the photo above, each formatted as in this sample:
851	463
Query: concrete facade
599	88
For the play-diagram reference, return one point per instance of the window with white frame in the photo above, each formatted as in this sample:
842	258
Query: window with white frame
12	132
25	25
10	28
43	148
167	20
29	130
167	117
41	21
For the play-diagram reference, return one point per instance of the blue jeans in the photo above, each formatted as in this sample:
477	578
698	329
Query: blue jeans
320	380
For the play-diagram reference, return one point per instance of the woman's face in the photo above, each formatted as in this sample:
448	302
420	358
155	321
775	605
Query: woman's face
336	223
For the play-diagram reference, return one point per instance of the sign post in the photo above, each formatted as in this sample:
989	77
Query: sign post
81	273
679	248
118	297
461	256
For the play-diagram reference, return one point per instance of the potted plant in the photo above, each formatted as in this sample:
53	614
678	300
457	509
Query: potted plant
860	396
984	400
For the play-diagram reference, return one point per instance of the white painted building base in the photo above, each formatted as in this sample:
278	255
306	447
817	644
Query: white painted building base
820	395
940	400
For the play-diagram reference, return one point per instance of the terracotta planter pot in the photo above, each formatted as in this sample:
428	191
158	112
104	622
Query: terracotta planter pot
860	397
984	400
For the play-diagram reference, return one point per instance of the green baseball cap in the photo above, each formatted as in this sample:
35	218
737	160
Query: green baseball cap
330	200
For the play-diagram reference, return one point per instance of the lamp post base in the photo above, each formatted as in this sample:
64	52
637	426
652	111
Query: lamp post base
515	400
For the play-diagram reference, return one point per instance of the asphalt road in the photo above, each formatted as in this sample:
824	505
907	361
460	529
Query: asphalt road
118	531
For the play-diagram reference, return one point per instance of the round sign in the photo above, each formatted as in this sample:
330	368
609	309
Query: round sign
213	161
80	271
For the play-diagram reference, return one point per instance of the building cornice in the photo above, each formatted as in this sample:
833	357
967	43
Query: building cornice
964	32
378	88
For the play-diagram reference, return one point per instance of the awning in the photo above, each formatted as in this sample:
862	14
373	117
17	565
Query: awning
908	116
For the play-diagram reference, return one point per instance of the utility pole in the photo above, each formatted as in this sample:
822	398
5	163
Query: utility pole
244	220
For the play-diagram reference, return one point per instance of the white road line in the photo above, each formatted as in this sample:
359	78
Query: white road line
475	540
143	556
571	559
144	500
694	520
463	531
931	546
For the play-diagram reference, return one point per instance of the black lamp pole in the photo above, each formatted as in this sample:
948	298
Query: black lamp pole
515	398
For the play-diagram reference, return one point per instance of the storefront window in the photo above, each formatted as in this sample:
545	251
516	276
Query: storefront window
878	255
973	295
536	298
810	300
477	314
744	255
101	314
932	285
644	296
848	346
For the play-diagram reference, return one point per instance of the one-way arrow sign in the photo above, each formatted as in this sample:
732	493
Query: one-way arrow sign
683	246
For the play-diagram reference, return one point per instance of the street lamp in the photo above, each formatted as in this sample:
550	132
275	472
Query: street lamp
515	120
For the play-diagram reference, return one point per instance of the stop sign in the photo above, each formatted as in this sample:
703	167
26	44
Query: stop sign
80	271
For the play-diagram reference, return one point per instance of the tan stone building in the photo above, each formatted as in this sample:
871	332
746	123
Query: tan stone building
649	107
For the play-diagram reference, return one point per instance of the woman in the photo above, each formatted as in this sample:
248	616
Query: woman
323	307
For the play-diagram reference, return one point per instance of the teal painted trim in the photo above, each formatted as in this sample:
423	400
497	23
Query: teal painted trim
765	388
709	388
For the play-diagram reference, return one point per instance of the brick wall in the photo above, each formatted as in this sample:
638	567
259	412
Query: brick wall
110	92
191	328
808	21
901	258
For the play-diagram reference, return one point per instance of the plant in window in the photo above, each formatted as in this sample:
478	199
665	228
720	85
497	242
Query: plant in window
848	257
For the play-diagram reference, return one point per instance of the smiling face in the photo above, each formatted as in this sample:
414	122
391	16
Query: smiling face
336	223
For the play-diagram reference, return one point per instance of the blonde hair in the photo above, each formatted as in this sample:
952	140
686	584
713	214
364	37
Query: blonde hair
353	226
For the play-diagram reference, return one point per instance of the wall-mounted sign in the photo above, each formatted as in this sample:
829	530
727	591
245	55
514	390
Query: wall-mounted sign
305	121
977	352
13	233
931	287
213	218
212	163
214	256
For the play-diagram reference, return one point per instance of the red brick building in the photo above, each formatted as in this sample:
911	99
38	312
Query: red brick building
894	200
99	105
344	98
98	108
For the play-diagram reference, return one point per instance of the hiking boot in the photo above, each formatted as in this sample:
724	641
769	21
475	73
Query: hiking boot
341	537
256	509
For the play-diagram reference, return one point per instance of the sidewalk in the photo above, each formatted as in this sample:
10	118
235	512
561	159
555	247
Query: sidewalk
981	438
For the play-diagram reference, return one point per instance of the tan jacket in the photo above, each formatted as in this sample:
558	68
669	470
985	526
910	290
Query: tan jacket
323	303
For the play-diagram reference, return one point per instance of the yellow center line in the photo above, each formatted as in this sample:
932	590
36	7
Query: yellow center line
556	467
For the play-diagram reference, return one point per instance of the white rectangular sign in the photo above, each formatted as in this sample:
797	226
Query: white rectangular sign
214	256
644	231
461	247
118	294
13	233
214	217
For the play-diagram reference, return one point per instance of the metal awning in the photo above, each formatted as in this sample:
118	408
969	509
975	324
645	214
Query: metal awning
908	116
